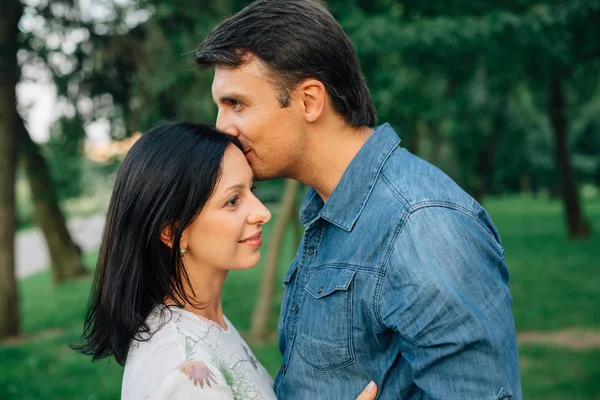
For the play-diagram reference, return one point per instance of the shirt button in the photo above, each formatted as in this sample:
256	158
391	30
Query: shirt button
295	309
311	252
320	290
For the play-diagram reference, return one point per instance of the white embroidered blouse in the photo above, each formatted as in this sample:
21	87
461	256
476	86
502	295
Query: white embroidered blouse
191	357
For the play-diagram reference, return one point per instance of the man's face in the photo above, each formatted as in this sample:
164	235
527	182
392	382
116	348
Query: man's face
249	109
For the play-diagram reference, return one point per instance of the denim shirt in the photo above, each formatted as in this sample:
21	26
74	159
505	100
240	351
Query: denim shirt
401	279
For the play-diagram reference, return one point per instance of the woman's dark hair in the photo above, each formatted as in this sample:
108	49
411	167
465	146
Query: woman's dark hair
164	181
296	40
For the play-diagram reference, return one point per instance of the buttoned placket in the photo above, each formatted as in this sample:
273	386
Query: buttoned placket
312	239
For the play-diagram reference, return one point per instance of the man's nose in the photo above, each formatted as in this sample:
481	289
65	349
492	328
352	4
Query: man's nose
226	126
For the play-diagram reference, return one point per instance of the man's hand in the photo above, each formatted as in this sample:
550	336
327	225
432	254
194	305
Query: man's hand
369	393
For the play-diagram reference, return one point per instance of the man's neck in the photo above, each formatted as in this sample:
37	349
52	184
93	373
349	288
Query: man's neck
329	152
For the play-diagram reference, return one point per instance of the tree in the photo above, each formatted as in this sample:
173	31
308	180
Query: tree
546	43
10	13
65	256
577	226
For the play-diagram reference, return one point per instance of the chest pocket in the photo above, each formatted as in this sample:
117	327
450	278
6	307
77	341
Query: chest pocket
324	338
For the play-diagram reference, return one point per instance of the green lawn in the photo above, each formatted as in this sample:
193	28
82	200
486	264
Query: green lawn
555	285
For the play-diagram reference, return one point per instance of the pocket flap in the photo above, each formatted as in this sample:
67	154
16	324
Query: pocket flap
323	282
290	272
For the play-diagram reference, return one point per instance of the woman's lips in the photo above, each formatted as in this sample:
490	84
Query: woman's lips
254	240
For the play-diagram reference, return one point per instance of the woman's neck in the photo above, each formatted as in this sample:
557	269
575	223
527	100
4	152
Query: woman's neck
206	296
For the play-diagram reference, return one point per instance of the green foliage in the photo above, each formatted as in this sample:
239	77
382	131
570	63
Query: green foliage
64	152
464	83
25	207
485	59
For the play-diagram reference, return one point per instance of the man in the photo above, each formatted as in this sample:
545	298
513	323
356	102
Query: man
400	277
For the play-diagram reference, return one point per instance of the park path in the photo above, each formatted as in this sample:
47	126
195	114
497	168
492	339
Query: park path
32	253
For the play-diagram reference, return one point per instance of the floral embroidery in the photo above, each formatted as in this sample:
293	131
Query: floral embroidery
222	358
198	373
251	358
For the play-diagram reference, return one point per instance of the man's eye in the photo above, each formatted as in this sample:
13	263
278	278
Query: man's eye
233	201
235	104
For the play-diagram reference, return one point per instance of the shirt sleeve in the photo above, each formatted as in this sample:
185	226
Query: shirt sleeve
446	294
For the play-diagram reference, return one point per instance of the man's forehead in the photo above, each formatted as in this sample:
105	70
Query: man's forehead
228	81
252	68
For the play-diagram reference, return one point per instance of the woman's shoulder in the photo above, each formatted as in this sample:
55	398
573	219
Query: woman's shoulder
159	342
161	355
169	333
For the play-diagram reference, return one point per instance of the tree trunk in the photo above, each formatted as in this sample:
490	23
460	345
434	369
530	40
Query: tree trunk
437	141
65	255
413	143
262	309
525	183
487	153
10	13
578	228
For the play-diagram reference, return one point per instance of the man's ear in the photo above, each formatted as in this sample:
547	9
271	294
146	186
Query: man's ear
313	95
168	233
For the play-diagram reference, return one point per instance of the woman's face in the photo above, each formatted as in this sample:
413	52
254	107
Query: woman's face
227	233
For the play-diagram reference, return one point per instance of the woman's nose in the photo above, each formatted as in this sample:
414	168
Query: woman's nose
260	215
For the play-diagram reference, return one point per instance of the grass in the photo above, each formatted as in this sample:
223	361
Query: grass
555	285
560	374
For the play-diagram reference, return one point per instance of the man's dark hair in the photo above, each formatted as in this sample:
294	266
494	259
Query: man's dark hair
296	40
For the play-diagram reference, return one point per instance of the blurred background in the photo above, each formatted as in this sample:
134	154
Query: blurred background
504	96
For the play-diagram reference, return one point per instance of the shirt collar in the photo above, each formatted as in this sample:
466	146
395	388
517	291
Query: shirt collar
352	192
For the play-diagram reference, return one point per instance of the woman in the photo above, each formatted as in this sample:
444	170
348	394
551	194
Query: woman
181	216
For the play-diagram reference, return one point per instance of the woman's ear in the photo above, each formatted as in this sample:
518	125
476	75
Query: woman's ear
166	236
168	233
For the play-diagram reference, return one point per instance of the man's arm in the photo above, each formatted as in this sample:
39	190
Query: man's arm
446	294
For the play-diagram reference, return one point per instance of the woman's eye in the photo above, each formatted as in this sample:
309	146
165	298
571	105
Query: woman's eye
253	188
233	201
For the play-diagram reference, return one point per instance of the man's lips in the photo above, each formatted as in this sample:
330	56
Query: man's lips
253	237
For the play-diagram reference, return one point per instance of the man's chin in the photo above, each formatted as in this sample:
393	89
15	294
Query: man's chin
261	174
